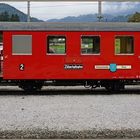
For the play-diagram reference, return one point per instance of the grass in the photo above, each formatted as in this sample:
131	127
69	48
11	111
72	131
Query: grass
59	49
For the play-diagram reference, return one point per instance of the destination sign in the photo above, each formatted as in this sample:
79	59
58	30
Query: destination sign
73	66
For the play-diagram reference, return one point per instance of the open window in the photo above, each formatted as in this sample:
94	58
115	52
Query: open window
90	45
124	45
56	44
22	44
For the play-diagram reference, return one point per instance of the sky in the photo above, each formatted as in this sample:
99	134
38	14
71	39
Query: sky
50	10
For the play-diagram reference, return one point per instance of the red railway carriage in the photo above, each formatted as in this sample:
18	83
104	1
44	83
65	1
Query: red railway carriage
95	54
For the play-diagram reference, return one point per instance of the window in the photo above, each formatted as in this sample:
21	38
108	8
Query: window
56	45
1	42
90	45
22	44
1	37
124	45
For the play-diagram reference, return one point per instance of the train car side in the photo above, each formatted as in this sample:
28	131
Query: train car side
95	58
40	64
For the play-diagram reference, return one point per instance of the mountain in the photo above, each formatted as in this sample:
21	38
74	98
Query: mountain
11	10
120	18
81	18
121	15
115	15
92	18
129	10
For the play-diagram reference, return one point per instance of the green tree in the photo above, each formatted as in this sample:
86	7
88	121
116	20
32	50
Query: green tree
14	17
4	16
17	17
135	17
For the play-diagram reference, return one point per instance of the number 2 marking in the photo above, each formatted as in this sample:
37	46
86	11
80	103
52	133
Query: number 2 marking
21	67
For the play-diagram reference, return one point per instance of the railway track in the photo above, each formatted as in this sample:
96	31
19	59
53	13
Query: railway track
10	90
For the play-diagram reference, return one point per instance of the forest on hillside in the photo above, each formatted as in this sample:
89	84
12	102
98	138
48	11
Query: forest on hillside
5	16
134	18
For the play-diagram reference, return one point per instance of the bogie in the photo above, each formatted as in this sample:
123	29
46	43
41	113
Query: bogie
31	85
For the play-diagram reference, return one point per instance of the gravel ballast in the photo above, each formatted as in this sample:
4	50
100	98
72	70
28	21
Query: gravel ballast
70	115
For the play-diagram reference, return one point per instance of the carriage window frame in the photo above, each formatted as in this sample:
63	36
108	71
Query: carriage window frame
99	45
124	53
30	45
1	37
47	48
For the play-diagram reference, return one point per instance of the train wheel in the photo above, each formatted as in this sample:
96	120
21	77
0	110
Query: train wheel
31	86
115	86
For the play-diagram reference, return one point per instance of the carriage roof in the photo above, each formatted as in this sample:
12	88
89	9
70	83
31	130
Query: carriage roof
67	26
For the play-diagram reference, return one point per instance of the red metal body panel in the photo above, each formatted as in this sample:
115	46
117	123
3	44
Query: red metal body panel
40	65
